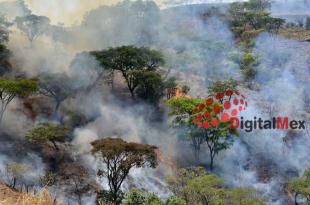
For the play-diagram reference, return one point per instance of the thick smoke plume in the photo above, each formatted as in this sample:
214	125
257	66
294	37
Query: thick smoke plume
198	51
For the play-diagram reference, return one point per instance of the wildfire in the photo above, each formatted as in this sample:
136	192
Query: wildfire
167	161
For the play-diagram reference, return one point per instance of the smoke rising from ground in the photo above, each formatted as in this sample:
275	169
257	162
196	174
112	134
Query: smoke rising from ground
198	51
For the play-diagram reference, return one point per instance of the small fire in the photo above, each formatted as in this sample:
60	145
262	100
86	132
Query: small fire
167	161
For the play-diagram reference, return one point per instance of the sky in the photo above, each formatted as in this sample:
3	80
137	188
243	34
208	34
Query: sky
71	12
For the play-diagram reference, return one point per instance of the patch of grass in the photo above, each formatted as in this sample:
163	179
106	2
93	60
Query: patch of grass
29	199
296	33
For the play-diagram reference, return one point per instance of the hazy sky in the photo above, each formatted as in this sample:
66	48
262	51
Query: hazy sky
72	11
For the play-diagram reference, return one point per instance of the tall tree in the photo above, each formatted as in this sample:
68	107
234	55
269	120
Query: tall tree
9	89
181	110
127	59
119	157
33	26
201	122
47	132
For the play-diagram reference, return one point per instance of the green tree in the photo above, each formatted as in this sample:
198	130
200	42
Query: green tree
127	59
181	109
150	86
248	63
177	183
9	89
135	197
207	189
174	200
243	196
248	20
221	86
171	82
120	157
258	5
217	138
301	187
47	132
195	186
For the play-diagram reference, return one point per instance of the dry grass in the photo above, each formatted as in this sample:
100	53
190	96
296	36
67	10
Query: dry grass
29	199
295	33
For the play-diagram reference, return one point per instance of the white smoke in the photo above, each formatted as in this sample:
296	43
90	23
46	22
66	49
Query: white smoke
198	51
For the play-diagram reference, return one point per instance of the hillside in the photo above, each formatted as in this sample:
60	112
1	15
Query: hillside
141	104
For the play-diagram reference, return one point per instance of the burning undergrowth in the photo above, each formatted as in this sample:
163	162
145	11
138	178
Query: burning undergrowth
198	52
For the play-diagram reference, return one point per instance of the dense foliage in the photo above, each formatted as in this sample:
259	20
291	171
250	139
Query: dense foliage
196	186
120	157
301	187
9	89
47	132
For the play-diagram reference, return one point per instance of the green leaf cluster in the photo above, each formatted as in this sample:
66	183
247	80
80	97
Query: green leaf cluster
135	197
21	88
47	132
195	186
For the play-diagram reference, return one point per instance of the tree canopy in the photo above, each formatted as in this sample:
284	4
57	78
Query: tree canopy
47	132
195	186
120	157
131	62
215	133
9	89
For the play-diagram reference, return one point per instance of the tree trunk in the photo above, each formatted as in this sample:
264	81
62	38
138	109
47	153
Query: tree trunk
112	80
79	200
55	145
14	183
211	160
197	155
196	149
1	116
295	199
3	107
132	93
115	198
57	107
211	151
